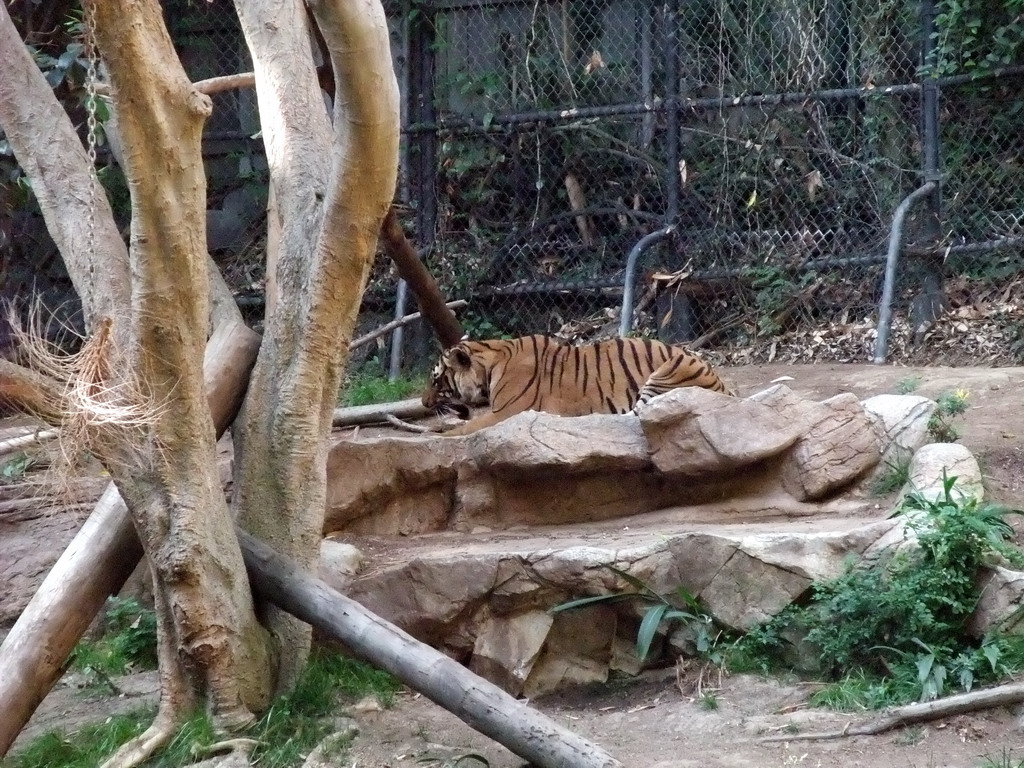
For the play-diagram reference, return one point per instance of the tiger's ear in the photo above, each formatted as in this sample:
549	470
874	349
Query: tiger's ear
461	357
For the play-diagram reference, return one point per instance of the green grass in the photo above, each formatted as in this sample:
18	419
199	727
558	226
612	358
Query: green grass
370	385
287	732
894	477
908	385
127	645
708	701
84	748
1004	760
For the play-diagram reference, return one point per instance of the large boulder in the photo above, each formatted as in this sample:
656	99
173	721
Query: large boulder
694	431
837	444
682	449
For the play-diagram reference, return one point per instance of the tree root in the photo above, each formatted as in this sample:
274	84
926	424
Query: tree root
245	746
137	751
1001	696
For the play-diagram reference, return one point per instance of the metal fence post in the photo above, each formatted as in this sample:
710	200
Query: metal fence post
927	305
672	96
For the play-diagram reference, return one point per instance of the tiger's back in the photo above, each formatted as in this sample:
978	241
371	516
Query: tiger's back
539	373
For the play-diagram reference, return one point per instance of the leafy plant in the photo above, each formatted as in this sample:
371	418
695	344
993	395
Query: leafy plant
907	385
17	466
941	425
680	605
978	36
894	631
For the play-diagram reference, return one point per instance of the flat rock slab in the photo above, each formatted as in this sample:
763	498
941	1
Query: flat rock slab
484	599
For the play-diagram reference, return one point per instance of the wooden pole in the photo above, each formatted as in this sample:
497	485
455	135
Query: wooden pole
483	705
99	559
441	318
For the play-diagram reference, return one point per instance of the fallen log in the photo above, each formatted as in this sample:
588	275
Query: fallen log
379	412
1000	696
481	704
99	559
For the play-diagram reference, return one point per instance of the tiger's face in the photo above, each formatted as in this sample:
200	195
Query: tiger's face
456	384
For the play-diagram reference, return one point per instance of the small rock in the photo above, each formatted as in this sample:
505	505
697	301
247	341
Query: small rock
955	460
507	647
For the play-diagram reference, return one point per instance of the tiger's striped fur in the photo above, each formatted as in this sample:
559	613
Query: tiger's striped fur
539	373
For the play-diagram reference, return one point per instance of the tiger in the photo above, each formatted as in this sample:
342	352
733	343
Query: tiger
541	374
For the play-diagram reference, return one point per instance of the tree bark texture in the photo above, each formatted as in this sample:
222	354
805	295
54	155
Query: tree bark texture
330	217
63	181
444	681
210	645
99	559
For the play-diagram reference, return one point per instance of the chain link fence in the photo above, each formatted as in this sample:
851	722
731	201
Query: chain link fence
778	139
543	140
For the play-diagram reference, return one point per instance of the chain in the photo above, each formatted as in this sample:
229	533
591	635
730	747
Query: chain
91	57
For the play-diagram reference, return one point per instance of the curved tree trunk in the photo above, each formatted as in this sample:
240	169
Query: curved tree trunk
330	216
62	180
210	644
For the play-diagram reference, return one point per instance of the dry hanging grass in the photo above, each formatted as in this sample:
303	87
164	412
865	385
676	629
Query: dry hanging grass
104	411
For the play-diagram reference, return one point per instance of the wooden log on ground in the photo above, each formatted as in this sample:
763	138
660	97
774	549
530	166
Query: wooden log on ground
39	436
988	698
378	413
100	558
487	708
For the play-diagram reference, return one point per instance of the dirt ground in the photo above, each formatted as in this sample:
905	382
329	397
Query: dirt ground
658	719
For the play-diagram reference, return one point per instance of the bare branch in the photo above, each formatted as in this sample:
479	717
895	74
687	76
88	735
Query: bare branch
388	327
30	391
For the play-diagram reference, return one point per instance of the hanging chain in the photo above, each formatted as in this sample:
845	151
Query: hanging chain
92	127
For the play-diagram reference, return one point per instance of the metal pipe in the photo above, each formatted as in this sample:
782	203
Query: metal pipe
471	124
891	261
397	335
645	242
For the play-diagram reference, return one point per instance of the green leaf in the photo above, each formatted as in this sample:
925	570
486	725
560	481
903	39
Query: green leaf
592	600
636	583
648	628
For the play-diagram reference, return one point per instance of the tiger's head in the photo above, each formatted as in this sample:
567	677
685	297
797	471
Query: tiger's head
457	383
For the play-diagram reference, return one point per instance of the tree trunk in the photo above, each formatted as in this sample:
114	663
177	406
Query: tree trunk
329	224
444	681
99	559
210	645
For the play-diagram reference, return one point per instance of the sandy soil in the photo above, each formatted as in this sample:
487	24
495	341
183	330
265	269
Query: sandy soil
658	719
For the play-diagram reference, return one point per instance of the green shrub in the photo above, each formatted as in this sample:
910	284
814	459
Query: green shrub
895	630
